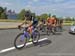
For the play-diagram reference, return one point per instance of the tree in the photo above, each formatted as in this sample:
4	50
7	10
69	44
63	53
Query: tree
33	14
21	14
49	15
73	19
3	16
5	9
44	16
24	14
1	11
68	19
38	17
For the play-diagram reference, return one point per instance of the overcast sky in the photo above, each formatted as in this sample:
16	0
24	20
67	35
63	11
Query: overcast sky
57	7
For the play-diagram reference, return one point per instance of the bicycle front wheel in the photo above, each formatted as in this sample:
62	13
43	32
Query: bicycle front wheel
20	41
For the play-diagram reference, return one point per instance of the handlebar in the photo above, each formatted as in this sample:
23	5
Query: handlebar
19	27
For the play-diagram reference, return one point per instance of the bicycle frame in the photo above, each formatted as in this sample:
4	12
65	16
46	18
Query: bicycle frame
27	34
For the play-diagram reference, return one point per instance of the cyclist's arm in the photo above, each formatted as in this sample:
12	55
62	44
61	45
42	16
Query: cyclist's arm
24	22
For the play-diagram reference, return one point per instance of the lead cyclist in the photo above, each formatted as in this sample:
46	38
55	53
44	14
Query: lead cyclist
32	24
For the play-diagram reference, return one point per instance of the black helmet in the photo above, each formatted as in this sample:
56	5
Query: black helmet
27	14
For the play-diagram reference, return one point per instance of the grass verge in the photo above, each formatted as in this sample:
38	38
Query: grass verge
9	20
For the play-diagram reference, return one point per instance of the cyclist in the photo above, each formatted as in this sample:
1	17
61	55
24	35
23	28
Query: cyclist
42	24
32	24
51	22
60	24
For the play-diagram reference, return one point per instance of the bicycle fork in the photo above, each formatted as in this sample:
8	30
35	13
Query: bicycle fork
25	35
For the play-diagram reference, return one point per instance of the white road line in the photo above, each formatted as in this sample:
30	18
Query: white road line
12	48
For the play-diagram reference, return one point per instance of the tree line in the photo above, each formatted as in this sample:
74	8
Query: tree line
40	17
23	12
3	13
21	15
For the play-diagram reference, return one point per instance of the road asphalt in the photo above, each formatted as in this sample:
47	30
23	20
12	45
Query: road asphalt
61	44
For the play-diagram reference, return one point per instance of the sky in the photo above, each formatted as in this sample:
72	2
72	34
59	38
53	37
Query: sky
56	7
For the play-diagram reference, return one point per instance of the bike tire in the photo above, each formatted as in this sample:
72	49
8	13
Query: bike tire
35	36
16	40
48	32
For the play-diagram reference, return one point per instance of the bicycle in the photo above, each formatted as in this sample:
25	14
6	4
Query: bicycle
24	37
42	27
50	29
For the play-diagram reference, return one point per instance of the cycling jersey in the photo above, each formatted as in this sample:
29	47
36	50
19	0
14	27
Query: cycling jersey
35	23
30	29
51	20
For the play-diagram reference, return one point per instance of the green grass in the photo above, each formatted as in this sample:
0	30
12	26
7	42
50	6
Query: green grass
9	20
68	23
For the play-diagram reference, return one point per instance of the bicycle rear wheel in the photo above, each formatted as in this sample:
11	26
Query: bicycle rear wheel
48	30
20	41
35	37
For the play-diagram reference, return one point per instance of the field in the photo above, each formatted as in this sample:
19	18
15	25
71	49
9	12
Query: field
68	23
9	20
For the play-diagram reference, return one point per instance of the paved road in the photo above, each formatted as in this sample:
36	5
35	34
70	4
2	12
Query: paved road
59	45
8	23
4	25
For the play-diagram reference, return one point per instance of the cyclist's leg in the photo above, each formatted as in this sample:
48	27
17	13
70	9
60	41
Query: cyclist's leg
32	30
53	29
47	27
26	34
30	34
42	28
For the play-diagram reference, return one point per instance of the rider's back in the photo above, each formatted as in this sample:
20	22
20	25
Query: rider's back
51	20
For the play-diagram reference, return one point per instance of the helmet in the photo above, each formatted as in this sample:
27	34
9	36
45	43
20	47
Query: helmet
27	14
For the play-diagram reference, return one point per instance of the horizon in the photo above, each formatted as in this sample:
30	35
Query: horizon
61	8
